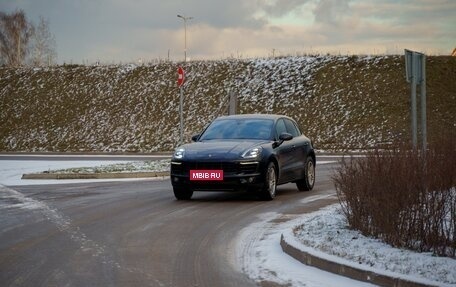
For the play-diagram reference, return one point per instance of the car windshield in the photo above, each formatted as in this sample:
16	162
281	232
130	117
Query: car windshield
239	129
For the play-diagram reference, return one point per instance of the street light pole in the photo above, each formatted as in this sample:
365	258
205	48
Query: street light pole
185	34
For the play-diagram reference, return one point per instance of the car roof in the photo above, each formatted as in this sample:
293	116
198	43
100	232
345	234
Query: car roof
253	116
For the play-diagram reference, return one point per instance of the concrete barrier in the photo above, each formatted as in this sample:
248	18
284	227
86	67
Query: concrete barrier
347	271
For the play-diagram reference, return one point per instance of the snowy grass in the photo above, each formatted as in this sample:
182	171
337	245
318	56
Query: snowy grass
340	102
328	232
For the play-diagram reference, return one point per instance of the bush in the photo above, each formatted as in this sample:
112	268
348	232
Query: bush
403	197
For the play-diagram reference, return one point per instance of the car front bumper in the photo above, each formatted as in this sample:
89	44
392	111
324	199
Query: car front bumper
229	183
242	175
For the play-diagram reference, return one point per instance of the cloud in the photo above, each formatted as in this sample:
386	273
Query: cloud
278	8
332	12
118	30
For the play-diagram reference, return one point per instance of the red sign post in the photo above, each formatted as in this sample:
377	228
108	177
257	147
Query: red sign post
181	76
180	82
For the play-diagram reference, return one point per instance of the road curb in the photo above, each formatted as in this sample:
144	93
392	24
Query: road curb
113	175
346	270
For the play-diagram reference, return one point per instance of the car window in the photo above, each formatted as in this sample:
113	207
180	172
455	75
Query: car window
280	128
238	129
291	128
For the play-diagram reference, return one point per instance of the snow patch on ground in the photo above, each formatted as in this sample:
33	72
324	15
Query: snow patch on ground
18	200
325	234
124	167
11	171
259	255
327	231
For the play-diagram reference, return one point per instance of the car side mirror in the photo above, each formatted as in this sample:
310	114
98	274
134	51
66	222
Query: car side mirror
283	137
195	137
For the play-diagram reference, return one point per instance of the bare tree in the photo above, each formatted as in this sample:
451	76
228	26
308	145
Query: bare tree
43	45
15	32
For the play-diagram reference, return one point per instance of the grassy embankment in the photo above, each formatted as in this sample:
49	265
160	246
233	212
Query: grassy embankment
340	102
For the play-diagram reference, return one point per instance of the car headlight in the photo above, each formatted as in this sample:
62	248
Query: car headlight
252	153
179	153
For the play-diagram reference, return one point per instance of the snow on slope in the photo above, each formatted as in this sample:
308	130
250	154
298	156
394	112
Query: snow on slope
135	108
340	102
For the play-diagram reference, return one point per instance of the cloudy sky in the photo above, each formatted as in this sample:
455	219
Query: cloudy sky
113	31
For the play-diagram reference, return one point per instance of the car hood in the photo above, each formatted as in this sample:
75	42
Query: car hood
219	150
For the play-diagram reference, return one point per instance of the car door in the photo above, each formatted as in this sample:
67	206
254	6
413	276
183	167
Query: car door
298	153
284	154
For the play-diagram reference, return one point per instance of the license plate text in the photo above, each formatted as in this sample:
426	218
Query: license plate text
206	175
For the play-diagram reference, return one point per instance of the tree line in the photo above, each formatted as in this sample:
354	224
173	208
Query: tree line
23	43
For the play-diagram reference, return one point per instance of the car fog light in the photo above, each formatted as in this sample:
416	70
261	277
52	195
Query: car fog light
175	179
243	181
251	179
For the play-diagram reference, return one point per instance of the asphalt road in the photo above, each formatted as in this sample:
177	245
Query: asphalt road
132	233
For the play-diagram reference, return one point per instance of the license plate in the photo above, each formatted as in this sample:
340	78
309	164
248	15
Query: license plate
205	175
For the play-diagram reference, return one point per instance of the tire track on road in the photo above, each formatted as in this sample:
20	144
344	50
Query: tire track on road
12	199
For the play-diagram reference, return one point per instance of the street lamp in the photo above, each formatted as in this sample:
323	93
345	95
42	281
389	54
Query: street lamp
185	31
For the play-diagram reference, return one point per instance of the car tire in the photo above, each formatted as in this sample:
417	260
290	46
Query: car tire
268	192
182	194
307	183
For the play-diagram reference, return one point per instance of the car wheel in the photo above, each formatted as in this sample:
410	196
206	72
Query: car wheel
182	194
307	183
270	183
